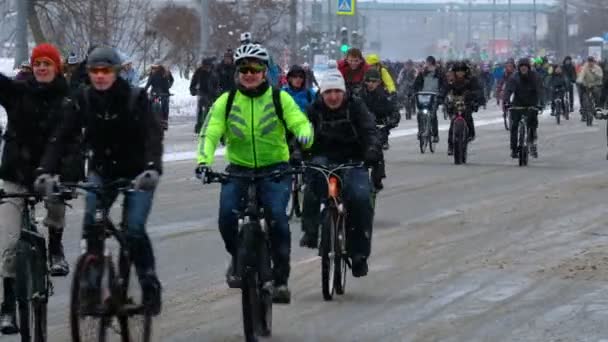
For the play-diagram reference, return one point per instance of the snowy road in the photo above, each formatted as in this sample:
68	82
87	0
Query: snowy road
483	252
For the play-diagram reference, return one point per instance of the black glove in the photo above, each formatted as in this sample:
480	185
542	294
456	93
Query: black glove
372	156
201	172
197	128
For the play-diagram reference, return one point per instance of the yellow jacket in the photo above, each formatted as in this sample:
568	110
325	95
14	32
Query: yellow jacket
374	61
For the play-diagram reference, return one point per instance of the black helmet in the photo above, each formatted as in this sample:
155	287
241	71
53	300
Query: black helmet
104	56
524	61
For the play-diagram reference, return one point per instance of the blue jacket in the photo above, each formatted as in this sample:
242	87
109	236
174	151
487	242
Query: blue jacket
303	97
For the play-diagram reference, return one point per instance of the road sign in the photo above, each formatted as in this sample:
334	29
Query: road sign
346	7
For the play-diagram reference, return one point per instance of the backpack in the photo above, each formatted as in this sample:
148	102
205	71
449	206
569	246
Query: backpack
276	100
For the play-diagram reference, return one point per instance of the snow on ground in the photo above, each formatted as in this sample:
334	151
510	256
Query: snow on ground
182	103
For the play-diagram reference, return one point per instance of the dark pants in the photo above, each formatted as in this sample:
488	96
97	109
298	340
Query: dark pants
468	117
356	191
202	108
273	196
532	125
137	205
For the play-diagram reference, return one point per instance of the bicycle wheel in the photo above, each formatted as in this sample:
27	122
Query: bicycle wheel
265	290
423	136
340	267
40	320
134	321
328	252
506	115
558	112
24	290
429	134
86	320
459	139
523	143
293	198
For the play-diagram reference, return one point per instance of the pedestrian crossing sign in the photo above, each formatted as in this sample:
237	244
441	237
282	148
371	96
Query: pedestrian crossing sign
346	7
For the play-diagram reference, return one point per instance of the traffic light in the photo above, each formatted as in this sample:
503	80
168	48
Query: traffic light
344	44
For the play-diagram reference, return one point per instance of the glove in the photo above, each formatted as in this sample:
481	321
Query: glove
147	180
372	156
201	171
303	140
45	184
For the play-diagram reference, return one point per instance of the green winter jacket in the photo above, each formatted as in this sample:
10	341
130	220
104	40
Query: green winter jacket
254	135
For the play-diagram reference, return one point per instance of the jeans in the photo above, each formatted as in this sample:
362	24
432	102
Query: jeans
356	191
136	209
273	196
532	122
468	117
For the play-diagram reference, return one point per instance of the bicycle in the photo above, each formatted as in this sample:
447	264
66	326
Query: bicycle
506	117
296	200
524	135
460	131
559	104
33	285
425	102
253	260
99	292
588	105
334	232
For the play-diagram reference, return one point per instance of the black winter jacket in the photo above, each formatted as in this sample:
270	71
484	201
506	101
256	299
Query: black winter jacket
34	111
160	80
569	71
344	134
470	88
527	91
226	74
122	144
381	106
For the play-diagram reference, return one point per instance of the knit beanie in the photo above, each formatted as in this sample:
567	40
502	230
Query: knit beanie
48	51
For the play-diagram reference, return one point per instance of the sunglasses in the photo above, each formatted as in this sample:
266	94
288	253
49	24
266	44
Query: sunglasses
251	69
101	70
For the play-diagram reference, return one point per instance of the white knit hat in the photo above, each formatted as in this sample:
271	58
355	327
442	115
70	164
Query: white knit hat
332	81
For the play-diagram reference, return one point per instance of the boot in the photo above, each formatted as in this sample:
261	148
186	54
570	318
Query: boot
59	266
151	293
450	150
281	295
8	314
233	279
360	267
309	240
533	151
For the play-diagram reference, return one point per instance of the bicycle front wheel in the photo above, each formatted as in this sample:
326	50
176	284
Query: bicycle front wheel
134	320
24	288
328	252
87	320
340	266
523	143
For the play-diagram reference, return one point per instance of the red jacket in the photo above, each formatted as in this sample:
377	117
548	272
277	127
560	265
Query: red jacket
352	76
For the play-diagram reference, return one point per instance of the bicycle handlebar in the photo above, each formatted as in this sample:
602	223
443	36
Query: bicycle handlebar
223	177
121	184
24	195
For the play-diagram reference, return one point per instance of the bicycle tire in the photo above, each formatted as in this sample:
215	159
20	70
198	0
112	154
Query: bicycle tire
134	326
507	120
422	138
265	292
523	143
459	140
291	208
40	321
24	290
94	327
558	112
328	253
340	267
250	304
429	134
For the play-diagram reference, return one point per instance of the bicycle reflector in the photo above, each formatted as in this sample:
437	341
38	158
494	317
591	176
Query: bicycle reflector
333	187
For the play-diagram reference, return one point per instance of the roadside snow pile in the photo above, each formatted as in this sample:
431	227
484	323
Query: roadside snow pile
182	103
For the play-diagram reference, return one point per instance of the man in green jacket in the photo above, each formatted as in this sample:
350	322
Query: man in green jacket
255	133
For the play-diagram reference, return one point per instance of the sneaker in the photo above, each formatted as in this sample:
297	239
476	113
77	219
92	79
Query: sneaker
232	279
59	266
359	264
450	150
281	295
8	319
435	139
533	151
309	240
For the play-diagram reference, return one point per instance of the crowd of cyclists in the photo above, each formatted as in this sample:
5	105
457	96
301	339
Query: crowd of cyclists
65	114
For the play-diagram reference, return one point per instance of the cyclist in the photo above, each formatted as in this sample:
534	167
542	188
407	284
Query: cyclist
225	72
33	107
373	60
124	141
161	80
297	87
558	85
311	80
128	72
432	80
590	80
204	85
468	86
405	83
255	137
527	90
377	100
353	68
570	73
345	131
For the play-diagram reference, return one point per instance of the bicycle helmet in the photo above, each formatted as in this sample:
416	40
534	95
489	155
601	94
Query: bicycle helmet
251	51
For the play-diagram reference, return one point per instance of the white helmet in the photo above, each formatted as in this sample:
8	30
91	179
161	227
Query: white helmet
245	37
253	51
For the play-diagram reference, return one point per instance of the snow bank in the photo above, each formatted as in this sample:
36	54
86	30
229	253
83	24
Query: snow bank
182	103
